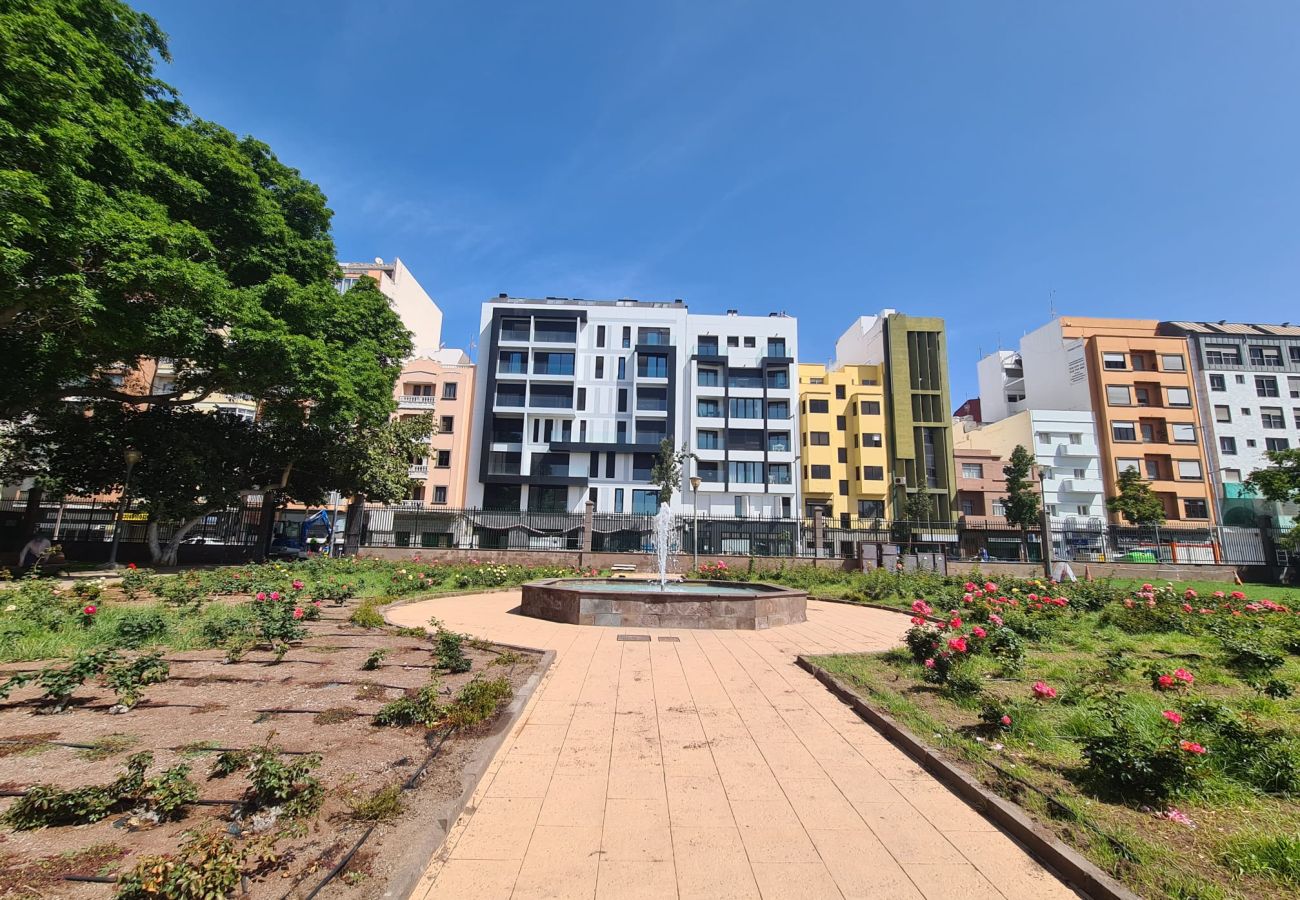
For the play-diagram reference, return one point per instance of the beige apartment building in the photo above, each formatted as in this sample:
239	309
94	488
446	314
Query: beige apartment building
441	383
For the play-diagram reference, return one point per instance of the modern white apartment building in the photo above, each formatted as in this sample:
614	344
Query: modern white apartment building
420	314
1248	387
1064	445
576	397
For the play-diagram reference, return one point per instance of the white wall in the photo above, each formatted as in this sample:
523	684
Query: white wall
1056	374
864	341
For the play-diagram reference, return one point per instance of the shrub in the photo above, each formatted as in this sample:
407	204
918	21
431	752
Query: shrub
373	660
1250	658
129	678
383	805
167	794
964	681
366	616
449	653
47	805
135	582
333	590
184	589
277	621
478	701
275	781
421	707
1131	763
88	591
209	865
139	627
59	684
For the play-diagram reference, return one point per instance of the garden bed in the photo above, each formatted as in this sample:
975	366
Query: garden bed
1156	733
316	708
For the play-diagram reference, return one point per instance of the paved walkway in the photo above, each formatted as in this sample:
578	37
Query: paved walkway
710	766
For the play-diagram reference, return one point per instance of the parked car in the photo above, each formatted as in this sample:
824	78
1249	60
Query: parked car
286	547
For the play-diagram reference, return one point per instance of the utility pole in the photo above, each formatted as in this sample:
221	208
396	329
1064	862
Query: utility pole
1044	523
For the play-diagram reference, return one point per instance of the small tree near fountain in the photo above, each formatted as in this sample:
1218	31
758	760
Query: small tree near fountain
666	475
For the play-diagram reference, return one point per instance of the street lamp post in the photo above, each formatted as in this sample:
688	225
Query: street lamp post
695	520
130	456
1044	523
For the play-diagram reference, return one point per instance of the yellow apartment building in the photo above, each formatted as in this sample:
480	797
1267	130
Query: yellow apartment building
844	461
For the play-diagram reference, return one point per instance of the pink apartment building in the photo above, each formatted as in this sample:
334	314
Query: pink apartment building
442	383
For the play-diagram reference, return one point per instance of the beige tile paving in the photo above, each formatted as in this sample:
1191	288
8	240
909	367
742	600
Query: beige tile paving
708	767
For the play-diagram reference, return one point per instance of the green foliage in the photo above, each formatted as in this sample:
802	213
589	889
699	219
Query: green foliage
374	659
449	653
46	805
1280	480
137	582
1022	500
420	707
366	616
919	507
60	683
128	679
1135	500
136	628
1132	762
1250	658
666	474
275	779
184	589
169	793
478	701
209	866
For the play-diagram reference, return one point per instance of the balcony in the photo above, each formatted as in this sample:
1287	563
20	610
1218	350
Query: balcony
418	470
1080	485
1076	450
416	401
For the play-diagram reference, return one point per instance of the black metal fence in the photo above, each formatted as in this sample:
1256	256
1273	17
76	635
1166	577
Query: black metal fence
419	526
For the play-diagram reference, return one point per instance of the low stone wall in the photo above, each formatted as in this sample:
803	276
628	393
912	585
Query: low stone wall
1153	572
598	603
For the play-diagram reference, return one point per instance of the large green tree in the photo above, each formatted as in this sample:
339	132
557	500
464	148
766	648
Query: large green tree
1022	503
1135	501
131	229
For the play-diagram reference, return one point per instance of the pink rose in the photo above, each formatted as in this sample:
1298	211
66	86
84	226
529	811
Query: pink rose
1191	747
275	595
968	586
979	632
297	585
297	613
957	644
990	587
929	663
1165	682
1172	716
1005	720
1184	676
89	610
1043	691
261	595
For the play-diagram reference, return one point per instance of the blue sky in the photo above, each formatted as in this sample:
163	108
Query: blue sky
973	159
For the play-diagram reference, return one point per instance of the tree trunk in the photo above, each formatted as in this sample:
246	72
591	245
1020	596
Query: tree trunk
32	514
353	525
161	554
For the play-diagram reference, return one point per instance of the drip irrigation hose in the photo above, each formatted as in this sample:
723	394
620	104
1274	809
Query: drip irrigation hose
181	749
347	857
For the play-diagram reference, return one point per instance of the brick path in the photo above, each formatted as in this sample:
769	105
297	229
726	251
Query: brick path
707	767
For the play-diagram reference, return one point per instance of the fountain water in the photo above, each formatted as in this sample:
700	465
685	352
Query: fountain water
665	541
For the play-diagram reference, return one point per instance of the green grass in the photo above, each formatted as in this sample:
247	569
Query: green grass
1274	856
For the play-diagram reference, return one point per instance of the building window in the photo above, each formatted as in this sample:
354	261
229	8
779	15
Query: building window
707	345
1217	383
443	459
1113	361
873	473
622	368
745	472
645	503
449	390
1183	433
600	367
627	336
776	346
972	470
1228	446
1271	417
778	473
778	378
439	494
839	392
870	407
1123	431
778	441
446	424
1222	355
1293	386
1265	386
707	378
707	440
1222	414
872	439
733	340
1176	396
745	408
1043	437
1118	395
844	488
841	455
1296	411
710	408
555	331
841	424
739	507
778	409
750	341
820	473
1143	396
871	509
1189	470
1123	465
1172	362
516	329
1266	356
819	438
1195	509
622	399
819	406
1273	445
652	366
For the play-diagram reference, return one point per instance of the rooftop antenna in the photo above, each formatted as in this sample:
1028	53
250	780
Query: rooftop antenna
1051	304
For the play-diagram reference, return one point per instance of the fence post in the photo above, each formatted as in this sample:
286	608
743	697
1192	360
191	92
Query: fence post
353	525
588	514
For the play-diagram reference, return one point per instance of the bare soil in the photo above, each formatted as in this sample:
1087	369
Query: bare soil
317	700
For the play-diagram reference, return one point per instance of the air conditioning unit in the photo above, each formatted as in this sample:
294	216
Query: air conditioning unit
900	481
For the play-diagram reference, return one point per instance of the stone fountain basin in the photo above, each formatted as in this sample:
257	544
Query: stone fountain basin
678	604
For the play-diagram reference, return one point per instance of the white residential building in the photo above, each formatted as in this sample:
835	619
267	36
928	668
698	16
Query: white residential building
576	397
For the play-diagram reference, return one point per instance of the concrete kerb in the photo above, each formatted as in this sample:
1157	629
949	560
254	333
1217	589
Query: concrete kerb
403	883
1068	864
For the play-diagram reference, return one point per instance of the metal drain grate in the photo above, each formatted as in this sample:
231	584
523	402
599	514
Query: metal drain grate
634	637
670	639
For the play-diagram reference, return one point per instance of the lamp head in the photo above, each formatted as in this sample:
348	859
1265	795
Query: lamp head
131	456
695	482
